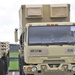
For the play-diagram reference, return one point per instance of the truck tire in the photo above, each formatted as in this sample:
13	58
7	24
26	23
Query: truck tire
8	58
20	72
2	67
6	63
21	63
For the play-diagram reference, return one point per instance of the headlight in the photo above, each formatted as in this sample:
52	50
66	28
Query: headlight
73	68
34	69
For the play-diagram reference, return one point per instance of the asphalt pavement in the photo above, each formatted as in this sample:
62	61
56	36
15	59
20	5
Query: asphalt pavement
13	73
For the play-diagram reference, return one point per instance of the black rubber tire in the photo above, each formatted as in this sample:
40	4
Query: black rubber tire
21	63
20	72
6	61
8	58
2	67
74	74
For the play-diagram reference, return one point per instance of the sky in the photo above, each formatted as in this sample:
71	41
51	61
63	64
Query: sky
9	19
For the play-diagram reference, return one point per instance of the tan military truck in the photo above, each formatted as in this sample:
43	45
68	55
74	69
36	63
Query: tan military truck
4	57
47	40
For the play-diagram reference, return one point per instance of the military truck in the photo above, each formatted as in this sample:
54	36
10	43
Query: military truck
47	40
4	57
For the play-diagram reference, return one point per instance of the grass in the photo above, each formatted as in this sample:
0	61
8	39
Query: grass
13	54
13	65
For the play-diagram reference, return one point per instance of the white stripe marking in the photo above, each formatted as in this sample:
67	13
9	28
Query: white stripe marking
13	73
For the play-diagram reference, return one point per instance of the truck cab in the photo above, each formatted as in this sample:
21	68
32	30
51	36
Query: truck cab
49	48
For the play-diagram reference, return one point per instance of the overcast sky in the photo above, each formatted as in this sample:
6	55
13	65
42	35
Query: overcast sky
9	19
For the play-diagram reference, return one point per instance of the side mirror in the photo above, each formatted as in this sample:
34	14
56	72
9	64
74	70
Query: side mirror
16	35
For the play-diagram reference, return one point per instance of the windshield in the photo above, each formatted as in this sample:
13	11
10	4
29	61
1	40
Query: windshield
46	35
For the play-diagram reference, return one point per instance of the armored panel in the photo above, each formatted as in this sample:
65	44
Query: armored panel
59	11
43	13
33	11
